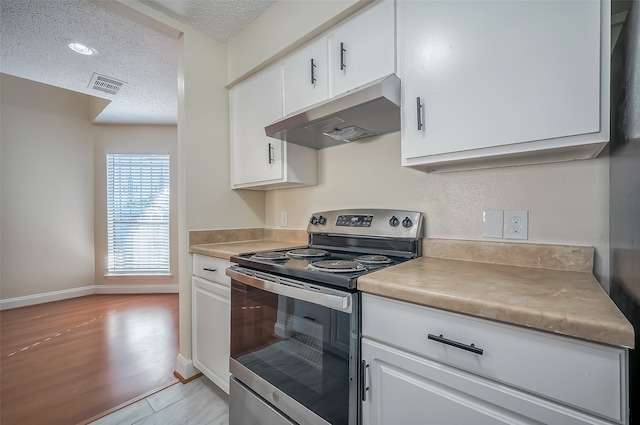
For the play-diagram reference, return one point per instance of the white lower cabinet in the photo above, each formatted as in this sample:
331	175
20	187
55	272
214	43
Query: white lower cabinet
211	307
498	374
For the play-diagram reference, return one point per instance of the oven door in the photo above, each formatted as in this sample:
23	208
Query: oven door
295	345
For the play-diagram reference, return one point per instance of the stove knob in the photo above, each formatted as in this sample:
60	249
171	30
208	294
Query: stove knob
314	220
322	220
406	223
394	221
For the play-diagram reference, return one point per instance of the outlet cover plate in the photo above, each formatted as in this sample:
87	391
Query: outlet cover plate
516	224
492	223
284	219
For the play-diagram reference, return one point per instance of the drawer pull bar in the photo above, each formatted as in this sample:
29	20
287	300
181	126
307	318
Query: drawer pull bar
456	344
363	380
209	270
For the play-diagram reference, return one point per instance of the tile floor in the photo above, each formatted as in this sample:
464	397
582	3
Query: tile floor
199	402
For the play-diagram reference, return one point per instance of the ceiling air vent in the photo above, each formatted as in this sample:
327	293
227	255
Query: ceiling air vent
105	84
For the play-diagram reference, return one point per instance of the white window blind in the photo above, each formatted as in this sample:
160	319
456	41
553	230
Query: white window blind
138	214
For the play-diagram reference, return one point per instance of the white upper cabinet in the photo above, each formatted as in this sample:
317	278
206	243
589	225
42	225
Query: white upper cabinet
354	53
363	48
306	76
258	161
488	83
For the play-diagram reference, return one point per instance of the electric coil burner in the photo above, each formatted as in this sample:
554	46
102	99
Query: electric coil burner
373	259
295	318
307	253
269	255
337	266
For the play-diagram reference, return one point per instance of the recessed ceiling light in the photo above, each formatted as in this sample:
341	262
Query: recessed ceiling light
82	49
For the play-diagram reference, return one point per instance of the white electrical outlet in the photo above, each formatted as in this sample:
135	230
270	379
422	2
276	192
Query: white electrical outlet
283	219
516	224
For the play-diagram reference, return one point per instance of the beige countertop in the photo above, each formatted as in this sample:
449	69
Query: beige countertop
226	249
544	287
569	303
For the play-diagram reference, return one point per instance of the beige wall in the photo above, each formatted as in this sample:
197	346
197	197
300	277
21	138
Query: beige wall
132	139
567	202
203	146
47	189
205	200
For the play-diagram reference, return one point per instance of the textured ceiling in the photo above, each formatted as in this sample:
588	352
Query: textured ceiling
33	45
219	19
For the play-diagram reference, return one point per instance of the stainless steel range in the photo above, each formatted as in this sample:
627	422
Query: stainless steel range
295	318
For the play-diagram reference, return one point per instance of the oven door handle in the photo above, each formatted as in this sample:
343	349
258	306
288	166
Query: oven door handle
335	301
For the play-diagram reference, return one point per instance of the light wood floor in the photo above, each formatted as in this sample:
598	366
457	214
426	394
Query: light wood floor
68	361
199	402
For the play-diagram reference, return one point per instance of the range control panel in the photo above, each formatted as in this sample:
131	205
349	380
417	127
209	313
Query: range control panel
354	220
368	222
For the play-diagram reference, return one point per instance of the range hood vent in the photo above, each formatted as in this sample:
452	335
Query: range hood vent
369	110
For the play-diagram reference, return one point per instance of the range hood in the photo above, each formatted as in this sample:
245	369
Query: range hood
369	110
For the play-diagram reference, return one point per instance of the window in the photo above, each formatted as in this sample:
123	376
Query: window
138	214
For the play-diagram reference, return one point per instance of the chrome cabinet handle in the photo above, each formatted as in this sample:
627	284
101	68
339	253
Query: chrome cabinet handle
270	153
342	52
209	270
419	112
363	379
470	347
313	72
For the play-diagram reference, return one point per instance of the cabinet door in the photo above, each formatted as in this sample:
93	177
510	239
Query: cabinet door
400	392
306	78
363	48
496	73
407	389
210	329
254	104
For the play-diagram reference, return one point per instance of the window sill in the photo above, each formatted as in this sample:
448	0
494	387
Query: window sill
138	276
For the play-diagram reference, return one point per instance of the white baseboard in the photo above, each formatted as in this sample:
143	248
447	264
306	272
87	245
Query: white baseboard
83	291
136	289
46	297
185	367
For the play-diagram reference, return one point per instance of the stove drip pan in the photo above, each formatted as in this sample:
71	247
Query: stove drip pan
269	255
307	253
373	259
337	266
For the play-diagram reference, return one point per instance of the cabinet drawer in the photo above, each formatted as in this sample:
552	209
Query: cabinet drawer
578	373
211	268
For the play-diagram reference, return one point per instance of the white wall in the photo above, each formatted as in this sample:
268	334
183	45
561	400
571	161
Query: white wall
567	202
47	189
132	139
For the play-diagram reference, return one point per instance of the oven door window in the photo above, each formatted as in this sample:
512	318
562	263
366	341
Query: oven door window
299	347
